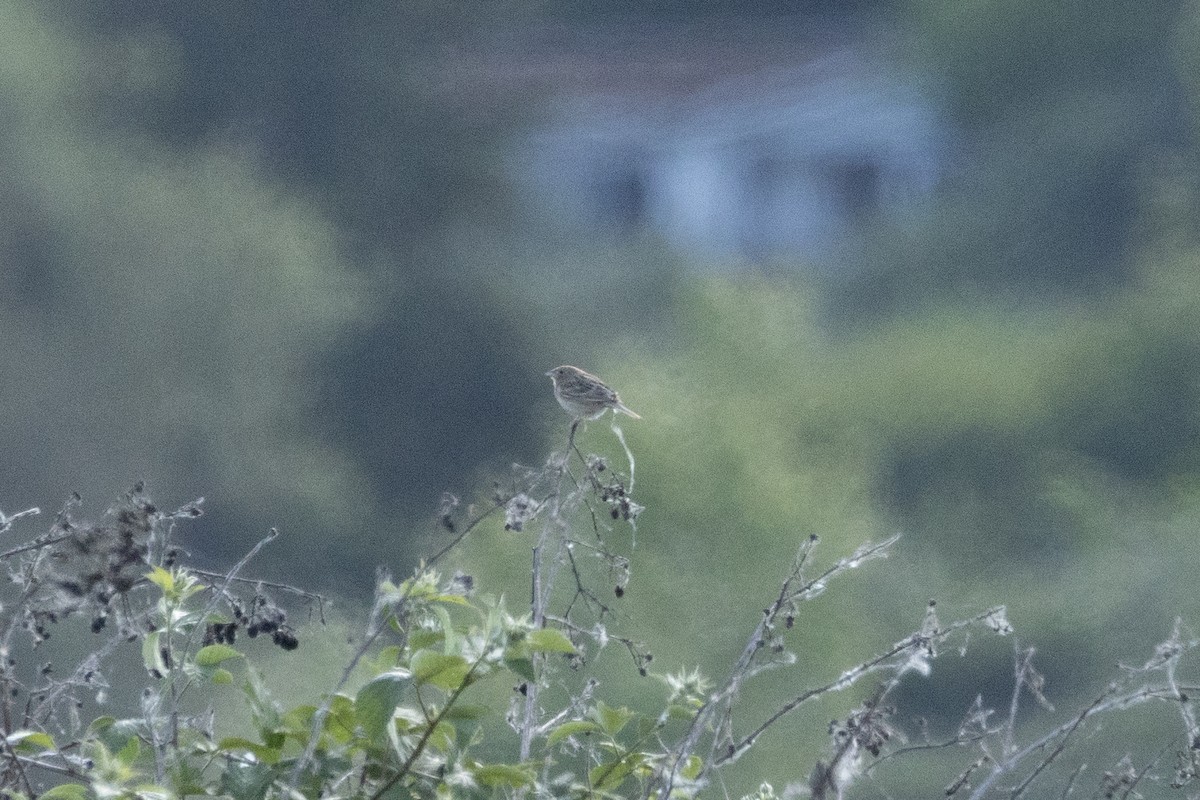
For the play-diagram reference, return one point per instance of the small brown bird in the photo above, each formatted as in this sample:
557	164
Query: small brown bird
584	395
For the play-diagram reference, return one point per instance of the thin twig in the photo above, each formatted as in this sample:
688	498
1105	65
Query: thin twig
470	526
430	726
1101	703
310	597
36	544
228	578
1070	787
15	760
1137	778
6	521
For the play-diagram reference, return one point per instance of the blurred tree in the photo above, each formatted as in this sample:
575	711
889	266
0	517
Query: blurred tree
692	9
1056	107
160	305
347	106
341	98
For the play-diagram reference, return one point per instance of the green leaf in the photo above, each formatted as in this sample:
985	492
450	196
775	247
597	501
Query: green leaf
129	753
176	586
222	677
612	719
101	724
388	657
447	627
691	767
451	599
162	578
214	654
549	640
247	781
648	725
443	671
26	741
680	712
572	728
523	667
65	791
503	775
442	737
342	718
607	777
263	710
376	703
152	654
295	722
112	734
424	639
236	745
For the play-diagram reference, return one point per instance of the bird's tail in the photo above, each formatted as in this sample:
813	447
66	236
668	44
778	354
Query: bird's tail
624	409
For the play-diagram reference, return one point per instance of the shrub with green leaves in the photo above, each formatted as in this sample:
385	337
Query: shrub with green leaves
411	715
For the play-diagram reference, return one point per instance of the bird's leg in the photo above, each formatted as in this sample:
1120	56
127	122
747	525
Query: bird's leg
574	427
571	441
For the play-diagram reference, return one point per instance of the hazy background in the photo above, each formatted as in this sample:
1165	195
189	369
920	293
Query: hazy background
923	265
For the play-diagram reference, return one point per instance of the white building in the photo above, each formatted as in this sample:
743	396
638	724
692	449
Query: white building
746	140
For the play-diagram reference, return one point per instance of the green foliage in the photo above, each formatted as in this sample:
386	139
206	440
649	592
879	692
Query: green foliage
425	720
174	298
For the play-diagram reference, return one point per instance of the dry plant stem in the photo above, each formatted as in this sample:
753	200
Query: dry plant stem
1185	709
862	669
616	429
1061	747
564	465
544	572
629	644
571	440
826	782
6	520
37	715
541	587
963	779
1107	701
15	761
695	730
1070	787
581	590
52	697
529	709
6	680
723	699
310	597
849	678
539	596
956	741
1022	663
1144	770
34	545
